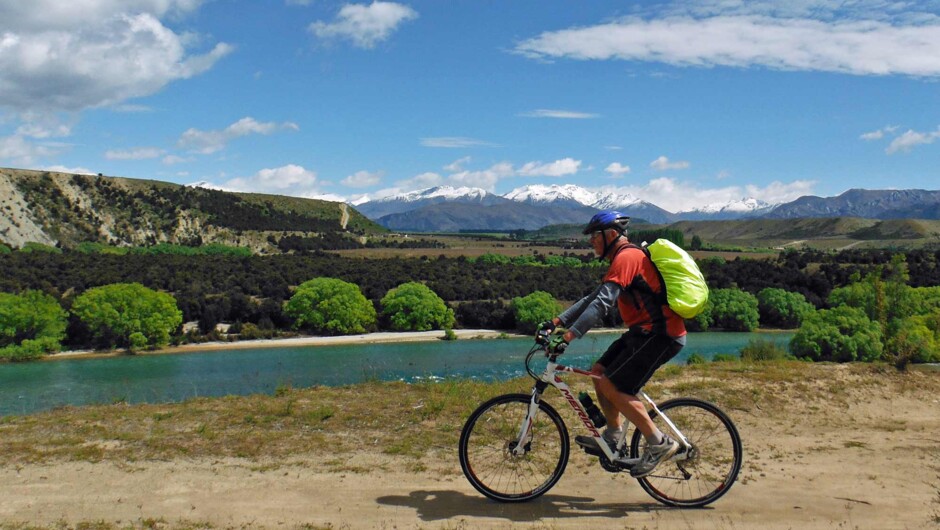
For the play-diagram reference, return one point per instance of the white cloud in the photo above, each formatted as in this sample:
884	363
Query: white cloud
71	60
853	46
485	179
64	169
22	152
617	169
422	181
208	142
457	165
664	164
613	148
299	2
362	179
879	134
453	142
137	153
558	168
365	25
675	196
290	180
560	114
170	160
910	140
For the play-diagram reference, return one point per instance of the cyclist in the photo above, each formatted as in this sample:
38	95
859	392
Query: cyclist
655	335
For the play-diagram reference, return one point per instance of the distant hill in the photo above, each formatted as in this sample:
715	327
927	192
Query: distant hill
65	209
869	204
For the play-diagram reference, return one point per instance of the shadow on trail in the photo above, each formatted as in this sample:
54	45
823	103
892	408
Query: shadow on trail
445	504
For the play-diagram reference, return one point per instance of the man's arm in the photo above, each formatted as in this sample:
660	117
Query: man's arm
590	310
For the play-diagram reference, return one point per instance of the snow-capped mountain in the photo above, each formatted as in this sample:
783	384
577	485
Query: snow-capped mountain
541	194
734	209
413	200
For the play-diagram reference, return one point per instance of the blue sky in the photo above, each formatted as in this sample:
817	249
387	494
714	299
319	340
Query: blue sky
679	103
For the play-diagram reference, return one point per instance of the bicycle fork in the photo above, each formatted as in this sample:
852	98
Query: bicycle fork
525	430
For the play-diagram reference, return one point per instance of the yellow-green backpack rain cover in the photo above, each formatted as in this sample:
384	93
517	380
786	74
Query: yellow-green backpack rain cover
686	291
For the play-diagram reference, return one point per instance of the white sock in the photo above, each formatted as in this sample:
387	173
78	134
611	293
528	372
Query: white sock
656	438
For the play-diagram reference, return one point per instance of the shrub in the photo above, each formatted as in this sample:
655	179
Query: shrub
732	310
841	334
695	358
128	315
532	309
782	309
449	335
331	306
29	316
414	306
724	357
763	350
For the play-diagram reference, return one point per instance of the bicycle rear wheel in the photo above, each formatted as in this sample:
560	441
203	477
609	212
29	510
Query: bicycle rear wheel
487	441
710	467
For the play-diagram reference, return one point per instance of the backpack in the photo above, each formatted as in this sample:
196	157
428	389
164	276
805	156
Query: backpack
683	283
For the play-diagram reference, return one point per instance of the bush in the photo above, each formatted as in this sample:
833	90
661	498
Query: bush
331	306
449	335
533	309
731	310
128	315
29	316
763	350
413	306
29	350
725	357
695	358
782	309
915	340
841	334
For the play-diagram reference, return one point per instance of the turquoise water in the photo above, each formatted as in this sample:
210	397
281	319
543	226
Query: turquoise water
32	387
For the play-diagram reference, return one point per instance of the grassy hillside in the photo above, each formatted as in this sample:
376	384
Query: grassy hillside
65	209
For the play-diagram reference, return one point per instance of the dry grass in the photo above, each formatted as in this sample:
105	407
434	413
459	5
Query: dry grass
397	418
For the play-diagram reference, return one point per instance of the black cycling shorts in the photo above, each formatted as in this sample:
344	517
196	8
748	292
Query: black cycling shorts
631	360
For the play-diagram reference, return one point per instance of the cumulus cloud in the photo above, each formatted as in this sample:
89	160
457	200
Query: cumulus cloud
291	180
424	180
485	179
617	169
208	142
64	169
59	63
364	25
453	142
664	164
767	39
911	139
675	196
137	153
20	151
558	168
362	179
560	114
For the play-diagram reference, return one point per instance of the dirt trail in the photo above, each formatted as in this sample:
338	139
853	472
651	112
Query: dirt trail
874	463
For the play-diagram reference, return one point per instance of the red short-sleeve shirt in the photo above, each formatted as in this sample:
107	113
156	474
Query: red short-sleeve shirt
639	306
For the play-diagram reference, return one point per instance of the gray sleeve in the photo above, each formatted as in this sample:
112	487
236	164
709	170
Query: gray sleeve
591	309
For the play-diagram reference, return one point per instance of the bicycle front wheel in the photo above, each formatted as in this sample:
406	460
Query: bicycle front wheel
705	472
489	437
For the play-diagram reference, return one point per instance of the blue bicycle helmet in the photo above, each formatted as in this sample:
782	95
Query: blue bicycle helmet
605	219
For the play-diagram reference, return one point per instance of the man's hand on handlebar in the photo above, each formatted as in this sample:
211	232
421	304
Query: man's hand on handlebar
557	345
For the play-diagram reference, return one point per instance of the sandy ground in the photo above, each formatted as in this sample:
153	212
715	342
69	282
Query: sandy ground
872	464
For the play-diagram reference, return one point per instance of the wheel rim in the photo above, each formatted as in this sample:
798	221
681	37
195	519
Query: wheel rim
711	466
487	451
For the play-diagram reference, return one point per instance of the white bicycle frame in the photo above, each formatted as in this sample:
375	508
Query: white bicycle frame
550	377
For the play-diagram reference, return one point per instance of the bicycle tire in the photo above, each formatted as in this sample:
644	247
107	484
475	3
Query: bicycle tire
714	465
488	437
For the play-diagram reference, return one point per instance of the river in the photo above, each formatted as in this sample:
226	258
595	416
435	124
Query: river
33	387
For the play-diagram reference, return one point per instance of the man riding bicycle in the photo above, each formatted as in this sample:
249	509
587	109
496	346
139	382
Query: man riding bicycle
655	335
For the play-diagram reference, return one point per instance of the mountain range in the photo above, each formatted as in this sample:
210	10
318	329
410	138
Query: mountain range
446	208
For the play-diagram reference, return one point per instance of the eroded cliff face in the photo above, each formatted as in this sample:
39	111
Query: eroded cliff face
17	227
66	209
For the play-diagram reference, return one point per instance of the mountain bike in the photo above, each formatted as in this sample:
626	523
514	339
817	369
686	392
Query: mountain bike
515	447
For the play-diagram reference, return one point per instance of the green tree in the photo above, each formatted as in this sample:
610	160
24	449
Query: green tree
122	314
31	315
413	306
696	243
841	334
783	309
915	340
732	310
31	325
534	308
331	306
